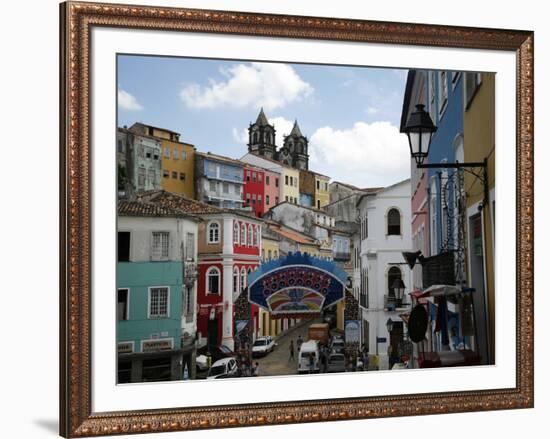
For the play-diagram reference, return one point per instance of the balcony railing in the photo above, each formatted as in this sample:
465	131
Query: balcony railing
392	303
341	256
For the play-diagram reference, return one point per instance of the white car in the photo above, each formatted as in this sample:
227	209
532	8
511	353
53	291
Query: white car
224	368
262	346
202	362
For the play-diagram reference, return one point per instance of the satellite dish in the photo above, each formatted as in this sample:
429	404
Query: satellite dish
418	323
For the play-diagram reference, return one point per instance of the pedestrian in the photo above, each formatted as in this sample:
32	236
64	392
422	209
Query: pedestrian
366	359
291	351
311	362
256	369
299	342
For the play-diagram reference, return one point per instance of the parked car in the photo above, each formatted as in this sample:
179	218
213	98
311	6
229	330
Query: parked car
337	345
224	368
262	346
336	362
308	350
216	352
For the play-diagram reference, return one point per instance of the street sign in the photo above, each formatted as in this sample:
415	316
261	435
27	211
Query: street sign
381	339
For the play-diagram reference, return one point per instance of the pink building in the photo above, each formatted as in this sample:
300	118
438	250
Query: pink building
272	189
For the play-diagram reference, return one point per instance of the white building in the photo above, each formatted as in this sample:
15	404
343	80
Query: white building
385	232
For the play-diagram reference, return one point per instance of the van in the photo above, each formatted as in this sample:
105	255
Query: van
308	349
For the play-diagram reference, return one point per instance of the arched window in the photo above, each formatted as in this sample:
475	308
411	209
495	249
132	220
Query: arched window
394	274
236	280
255	137
213	233
243	278
250	235
243	234
394	222
236	232
213	281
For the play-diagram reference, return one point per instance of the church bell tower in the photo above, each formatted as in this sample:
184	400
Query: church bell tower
261	137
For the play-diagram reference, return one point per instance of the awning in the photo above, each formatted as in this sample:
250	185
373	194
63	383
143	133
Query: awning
443	290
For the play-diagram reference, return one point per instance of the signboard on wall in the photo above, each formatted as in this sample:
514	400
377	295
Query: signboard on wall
156	345
352	331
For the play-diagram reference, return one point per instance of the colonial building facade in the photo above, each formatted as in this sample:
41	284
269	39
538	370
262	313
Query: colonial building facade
219	180
384	234
229	244
177	159
156	300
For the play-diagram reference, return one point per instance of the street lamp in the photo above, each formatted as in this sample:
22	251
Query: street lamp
419	130
398	289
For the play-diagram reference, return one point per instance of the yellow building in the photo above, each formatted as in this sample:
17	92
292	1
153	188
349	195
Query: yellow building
177	160
322	195
290	185
479	144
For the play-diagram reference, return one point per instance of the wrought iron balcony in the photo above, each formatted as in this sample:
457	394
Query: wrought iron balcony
341	256
392	303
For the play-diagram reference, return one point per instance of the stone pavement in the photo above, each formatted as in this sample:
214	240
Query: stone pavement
278	361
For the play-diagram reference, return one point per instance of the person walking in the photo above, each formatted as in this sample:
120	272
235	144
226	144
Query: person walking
291	351
256	369
311	362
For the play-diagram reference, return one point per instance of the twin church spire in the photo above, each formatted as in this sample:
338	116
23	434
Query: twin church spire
261	141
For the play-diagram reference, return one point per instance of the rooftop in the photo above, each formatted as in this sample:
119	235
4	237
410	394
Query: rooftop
220	158
187	205
147	209
177	202
299	206
293	236
155	128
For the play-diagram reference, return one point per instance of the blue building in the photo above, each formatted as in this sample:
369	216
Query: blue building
444	97
219	180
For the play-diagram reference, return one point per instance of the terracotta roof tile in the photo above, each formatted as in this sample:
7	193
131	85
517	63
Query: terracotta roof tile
140	208
178	202
293	236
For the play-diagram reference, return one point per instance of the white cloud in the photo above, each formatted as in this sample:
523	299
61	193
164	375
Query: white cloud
282	127
372	110
128	102
240	136
253	85
364	155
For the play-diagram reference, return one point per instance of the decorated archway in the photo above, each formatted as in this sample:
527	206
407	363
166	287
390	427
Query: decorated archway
297	286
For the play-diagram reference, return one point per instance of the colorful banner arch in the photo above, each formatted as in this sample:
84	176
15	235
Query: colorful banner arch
296	284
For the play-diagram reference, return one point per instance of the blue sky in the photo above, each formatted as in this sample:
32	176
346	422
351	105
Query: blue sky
350	114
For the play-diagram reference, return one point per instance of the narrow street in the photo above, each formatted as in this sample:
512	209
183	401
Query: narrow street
278	361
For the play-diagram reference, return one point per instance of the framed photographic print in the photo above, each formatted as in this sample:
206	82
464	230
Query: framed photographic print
272	219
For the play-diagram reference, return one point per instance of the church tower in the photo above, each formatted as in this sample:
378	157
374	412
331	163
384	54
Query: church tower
296	144
261	137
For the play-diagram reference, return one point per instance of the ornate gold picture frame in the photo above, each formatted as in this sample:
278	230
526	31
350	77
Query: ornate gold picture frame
77	21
